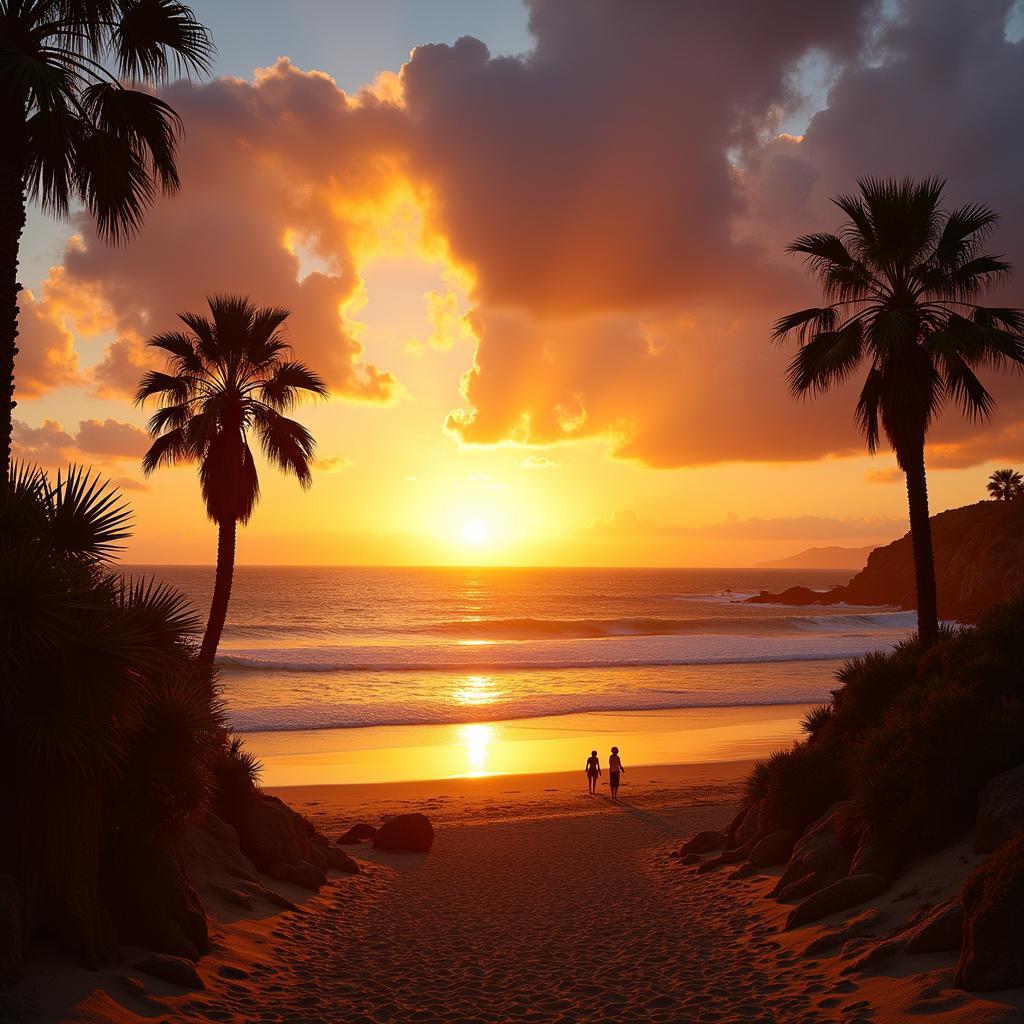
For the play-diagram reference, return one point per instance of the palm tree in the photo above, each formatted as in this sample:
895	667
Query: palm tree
1006	485
228	375
72	133
901	277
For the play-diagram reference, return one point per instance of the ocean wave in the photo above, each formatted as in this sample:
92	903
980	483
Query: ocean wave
617	652
592	629
302	717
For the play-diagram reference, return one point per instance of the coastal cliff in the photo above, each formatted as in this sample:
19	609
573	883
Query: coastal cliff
979	560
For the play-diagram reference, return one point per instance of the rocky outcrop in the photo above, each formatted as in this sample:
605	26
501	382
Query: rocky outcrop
1000	810
819	857
979	561
300	873
356	834
841	895
175	969
992	954
410	832
703	842
774	848
270	832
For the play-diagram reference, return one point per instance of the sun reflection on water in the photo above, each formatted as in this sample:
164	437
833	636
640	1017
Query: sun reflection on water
476	691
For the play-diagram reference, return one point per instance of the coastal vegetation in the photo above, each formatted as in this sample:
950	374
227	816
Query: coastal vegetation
73	133
229	375
106	724
901	278
1006	485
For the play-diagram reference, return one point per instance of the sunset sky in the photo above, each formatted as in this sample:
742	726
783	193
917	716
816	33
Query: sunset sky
536	250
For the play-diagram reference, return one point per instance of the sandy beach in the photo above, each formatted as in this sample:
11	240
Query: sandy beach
537	903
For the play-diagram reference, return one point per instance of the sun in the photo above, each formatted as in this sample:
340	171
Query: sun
474	531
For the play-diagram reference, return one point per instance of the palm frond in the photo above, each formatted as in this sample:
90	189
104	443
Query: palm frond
154	35
88	516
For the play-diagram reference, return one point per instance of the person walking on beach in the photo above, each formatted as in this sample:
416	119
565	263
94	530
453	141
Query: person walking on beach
593	771
615	768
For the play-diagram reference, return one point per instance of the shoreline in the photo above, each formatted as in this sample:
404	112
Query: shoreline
517	747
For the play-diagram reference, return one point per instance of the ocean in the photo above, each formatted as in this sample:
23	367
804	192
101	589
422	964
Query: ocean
342	648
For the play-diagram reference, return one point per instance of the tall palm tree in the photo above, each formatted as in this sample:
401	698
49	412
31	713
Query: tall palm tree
72	133
1006	485
901	277
228	375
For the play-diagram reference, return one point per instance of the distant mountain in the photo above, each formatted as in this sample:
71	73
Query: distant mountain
822	558
979	560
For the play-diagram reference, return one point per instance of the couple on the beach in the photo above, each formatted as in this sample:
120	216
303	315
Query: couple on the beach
615	770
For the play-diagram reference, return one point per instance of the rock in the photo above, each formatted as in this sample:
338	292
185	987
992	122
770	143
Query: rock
819	849
859	927
690	858
941	930
233	896
743	871
147	887
874	856
803	887
773	849
270	832
339	860
992	954
275	898
213	854
411	832
979	562
175	969
303	874
10	931
703	842
356	834
751	825
847	892
730	829
1000	810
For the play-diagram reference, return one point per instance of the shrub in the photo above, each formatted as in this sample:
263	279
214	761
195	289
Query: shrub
796	785
816	719
236	774
915	777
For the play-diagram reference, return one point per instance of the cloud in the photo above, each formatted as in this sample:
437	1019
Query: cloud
884	476
626	523
332	463
538	462
617	201
46	348
105	441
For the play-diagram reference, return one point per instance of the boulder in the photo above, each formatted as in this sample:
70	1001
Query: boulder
10	931
874	856
149	891
356	834
992	954
941	930
751	825
213	854
1000	810
302	874
803	887
690	858
773	848
847	892
339	860
730	829
743	871
175	969
703	842
270	832
410	832
819	850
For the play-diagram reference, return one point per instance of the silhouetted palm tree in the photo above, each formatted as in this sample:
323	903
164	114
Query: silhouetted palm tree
73	133
901	277
227	376
1006	484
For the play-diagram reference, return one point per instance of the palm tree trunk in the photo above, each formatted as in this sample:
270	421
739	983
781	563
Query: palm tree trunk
12	223
921	540
226	530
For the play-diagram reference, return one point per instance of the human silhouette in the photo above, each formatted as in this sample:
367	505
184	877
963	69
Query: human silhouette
593	771
615	769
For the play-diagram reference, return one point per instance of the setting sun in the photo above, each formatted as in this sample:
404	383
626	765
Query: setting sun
474	531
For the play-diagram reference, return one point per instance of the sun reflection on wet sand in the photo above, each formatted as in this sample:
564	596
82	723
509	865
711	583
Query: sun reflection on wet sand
476	738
